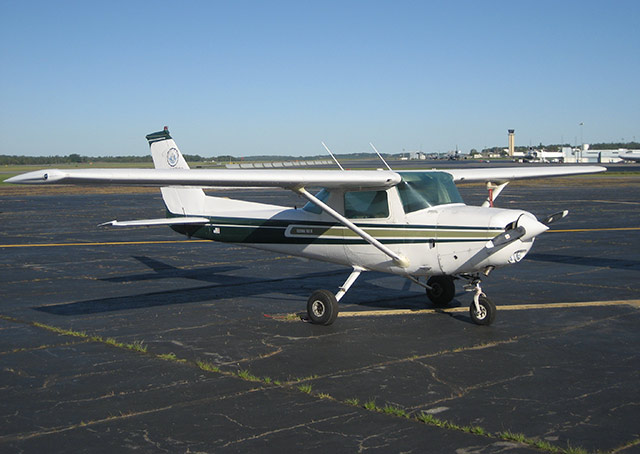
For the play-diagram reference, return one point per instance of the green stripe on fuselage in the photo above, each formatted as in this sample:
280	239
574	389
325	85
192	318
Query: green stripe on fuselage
270	231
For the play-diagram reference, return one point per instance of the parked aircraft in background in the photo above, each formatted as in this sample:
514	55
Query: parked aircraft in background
631	156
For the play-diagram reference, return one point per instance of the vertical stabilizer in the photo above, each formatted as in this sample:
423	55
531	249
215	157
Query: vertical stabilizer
166	155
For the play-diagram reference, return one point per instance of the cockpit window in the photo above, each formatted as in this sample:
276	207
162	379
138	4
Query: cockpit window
366	204
311	207
419	190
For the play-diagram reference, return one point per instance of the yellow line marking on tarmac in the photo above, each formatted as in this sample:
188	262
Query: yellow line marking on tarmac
113	243
515	307
606	229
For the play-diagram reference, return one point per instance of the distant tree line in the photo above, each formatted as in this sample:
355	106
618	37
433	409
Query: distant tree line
615	146
75	158
78	159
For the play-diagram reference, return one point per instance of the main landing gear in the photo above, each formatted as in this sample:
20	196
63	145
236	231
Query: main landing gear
322	305
440	290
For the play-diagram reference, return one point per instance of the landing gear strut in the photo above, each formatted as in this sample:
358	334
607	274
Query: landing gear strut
322	305
482	310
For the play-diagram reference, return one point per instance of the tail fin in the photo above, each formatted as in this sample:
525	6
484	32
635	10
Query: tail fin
166	155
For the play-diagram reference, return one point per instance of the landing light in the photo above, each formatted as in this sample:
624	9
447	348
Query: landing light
517	256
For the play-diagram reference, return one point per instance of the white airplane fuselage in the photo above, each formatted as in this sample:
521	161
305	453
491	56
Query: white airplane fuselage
444	239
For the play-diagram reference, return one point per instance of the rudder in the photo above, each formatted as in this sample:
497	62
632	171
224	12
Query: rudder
166	155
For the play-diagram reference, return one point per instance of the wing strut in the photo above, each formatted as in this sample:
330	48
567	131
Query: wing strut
398	259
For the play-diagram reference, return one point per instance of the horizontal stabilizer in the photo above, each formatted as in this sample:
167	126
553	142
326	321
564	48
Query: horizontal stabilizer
161	221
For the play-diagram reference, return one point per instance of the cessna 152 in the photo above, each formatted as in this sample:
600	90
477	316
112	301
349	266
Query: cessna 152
410	223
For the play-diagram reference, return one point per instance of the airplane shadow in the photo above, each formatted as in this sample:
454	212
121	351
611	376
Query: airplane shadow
586	261
222	285
161	270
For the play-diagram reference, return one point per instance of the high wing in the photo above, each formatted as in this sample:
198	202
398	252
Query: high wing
502	174
288	179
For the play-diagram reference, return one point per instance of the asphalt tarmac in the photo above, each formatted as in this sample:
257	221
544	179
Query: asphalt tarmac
119	340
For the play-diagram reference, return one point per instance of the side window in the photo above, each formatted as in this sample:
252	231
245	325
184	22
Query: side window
311	207
366	204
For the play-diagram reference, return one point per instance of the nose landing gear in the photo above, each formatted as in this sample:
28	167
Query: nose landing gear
482	310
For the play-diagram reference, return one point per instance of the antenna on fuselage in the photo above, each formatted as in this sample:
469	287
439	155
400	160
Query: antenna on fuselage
334	158
380	156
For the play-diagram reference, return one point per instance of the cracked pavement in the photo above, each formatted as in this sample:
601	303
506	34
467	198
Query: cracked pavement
567	376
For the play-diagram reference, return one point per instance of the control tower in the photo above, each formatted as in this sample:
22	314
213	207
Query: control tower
512	138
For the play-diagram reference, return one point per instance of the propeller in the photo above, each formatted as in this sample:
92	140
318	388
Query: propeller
506	237
525	228
555	217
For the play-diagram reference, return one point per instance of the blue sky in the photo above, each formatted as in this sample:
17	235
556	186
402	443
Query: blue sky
278	77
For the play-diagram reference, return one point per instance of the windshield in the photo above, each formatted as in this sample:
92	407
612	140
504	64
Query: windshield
419	190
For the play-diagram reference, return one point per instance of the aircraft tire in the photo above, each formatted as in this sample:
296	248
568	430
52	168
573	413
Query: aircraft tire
487	313
322	307
442	290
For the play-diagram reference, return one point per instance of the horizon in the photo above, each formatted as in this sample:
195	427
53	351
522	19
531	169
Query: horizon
249	78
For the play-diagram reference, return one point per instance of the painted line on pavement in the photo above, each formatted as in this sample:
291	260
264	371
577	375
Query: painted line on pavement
515	307
113	243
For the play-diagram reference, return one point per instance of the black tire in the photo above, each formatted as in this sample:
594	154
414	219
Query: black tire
442	290
322	307
487	313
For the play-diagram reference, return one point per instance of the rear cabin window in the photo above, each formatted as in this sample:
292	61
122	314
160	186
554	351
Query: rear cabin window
419	190
366	204
311	207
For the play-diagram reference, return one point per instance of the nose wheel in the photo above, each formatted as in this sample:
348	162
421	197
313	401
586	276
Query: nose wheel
482	310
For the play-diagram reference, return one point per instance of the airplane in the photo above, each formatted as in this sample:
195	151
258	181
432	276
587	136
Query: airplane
630	156
408	223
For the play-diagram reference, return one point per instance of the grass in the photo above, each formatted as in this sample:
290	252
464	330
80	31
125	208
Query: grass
207	366
510	436
305	388
371	405
248	376
136	346
171	357
394	411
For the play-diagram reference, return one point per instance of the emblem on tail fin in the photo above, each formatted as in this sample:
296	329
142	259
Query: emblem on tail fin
172	157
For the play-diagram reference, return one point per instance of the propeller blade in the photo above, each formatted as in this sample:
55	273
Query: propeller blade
555	217
525	228
506	237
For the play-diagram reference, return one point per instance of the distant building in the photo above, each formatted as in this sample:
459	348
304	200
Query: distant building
586	155
417	155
